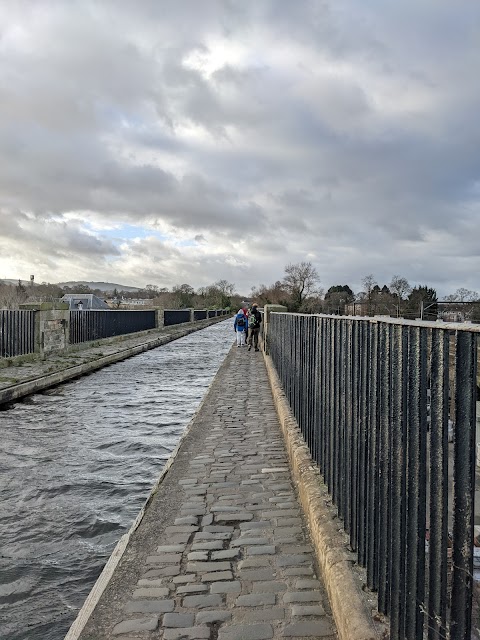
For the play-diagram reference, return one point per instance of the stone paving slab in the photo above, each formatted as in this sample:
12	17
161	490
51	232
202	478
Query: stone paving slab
241	566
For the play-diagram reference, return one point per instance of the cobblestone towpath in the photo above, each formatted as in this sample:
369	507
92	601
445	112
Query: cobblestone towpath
222	551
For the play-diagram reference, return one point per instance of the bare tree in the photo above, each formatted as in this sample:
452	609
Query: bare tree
183	295
226	288
225	291
400	288
465	295
11	296
276	293
300	281
369	283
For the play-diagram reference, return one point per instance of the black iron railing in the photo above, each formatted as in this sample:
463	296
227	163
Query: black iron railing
176	316
17	332
94	325
17	328
387	408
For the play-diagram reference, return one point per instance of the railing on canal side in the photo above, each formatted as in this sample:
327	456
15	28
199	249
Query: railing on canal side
25	332
94	325
176	316
17	333
374	399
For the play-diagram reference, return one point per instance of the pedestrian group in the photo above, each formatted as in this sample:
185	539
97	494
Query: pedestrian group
247	327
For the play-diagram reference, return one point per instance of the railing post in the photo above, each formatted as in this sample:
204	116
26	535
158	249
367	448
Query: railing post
464	486
438	535
416	482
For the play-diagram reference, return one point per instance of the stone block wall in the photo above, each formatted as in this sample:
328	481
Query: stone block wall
52	331
159	318
267	310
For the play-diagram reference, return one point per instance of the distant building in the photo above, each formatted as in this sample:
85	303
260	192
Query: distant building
126	303
137	302
84	301
356	309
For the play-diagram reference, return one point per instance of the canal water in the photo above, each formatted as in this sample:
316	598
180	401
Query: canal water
76	465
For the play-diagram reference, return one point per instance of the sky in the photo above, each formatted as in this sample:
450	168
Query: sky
184	141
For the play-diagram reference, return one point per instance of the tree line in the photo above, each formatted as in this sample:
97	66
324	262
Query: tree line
299	290
219	295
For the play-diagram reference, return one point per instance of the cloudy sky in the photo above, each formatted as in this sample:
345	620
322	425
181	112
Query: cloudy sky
184	141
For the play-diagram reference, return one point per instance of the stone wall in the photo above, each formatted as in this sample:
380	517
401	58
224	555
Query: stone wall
267	310
52	331
159	318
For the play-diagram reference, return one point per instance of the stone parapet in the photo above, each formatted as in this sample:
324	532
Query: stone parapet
267	310
159	318
51	331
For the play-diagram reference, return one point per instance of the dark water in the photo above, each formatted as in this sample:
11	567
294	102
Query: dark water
76	465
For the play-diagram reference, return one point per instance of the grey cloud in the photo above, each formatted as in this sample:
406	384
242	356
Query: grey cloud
53	237
359	145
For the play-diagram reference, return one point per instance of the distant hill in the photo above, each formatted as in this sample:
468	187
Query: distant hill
26	283
103	286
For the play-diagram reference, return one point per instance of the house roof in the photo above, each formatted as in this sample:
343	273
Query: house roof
89	300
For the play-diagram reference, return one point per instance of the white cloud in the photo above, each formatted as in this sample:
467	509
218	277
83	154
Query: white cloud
186	142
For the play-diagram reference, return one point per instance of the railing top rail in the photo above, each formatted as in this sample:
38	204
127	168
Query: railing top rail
105	310
450	326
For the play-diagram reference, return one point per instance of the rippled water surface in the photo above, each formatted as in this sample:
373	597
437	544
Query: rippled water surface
76	464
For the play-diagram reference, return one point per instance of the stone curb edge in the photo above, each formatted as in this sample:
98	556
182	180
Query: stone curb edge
104	578
22	389
352	617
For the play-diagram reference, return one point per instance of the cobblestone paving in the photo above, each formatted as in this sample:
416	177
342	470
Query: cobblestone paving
236	564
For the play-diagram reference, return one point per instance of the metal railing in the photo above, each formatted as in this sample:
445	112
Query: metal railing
94	325
17	333
375	400
179	316
17	327
176	316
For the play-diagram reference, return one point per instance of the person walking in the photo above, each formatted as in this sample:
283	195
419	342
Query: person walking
254	322
241	328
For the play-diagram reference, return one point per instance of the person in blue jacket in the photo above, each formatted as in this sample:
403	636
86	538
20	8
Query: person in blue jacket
241	328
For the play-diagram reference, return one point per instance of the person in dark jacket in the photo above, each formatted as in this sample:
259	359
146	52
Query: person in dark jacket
254	322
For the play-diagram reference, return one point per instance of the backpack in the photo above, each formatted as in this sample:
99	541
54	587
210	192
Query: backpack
253	321
241	321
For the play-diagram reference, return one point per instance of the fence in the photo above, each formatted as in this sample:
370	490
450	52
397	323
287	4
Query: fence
58	328
176	316
17	333
94	325
374	400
